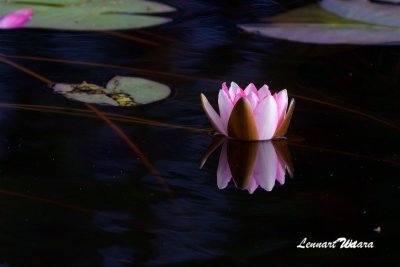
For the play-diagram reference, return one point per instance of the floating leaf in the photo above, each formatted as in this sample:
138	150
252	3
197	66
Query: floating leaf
90	15
120	91
387	1
312	24
365	10
327	34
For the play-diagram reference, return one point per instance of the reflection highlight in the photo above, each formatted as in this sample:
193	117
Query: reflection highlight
251	164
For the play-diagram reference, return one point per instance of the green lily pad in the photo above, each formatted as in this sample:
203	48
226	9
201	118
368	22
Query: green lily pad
312	24
365	10
327	34
387	1
120	91
310	14
90	15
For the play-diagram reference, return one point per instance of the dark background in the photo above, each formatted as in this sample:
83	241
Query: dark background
72	193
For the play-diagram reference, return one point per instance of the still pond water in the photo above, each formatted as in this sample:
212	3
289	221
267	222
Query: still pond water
73	193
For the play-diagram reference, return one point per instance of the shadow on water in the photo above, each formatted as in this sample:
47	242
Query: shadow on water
72	192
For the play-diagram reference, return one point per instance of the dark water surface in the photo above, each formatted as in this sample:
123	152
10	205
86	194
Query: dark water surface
72	192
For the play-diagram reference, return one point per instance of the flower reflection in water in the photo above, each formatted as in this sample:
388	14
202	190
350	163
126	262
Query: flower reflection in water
251	164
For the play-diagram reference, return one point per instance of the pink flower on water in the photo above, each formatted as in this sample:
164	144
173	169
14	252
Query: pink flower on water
16	19
251	164
250	114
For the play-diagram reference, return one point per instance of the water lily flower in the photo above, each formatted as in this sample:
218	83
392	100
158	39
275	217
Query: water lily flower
251	164
250	114
16	19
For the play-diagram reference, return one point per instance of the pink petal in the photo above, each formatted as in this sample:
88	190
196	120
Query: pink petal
283	127
226	90
16	19
263	92
235	91
212	115
224	174
251	88
253	99
280	172
252	186
281	99
225	106
265	166
236	99
266	116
